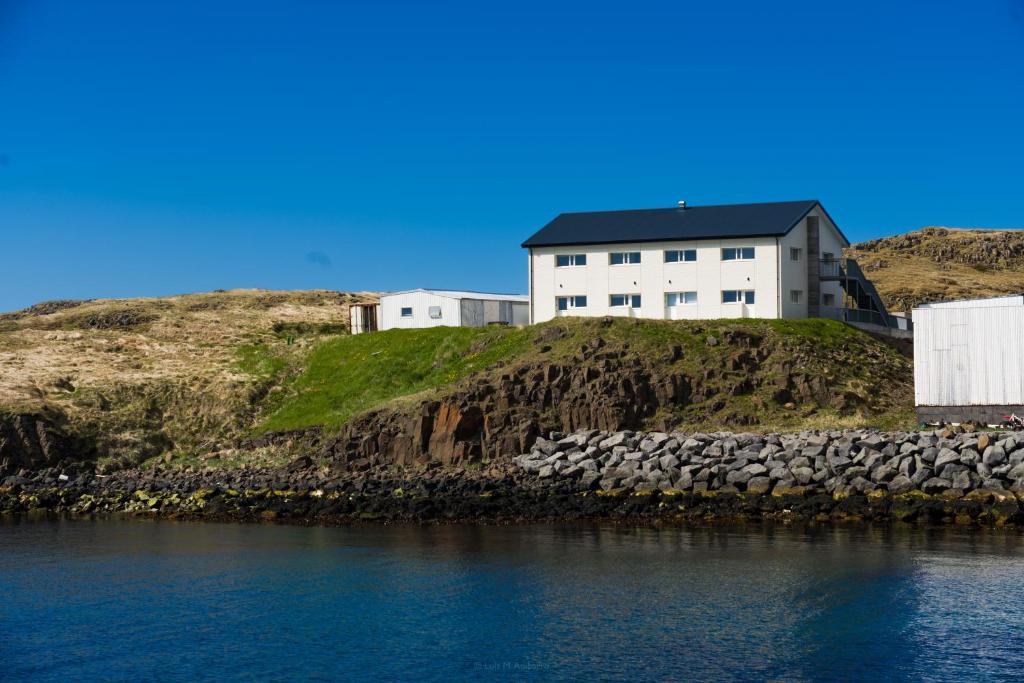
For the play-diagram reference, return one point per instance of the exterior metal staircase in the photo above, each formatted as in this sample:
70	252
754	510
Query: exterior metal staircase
867	307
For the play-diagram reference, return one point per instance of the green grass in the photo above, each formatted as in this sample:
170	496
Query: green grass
348	375
260	361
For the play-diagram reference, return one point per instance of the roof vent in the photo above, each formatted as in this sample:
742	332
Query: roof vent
682	203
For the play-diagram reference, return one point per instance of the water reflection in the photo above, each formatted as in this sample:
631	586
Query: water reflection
179	601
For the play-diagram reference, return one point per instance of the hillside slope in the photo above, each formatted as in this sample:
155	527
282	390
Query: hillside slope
226	379
938	264
135	378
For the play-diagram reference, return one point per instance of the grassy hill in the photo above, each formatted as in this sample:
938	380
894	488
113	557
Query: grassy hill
739	366
199	376
936	264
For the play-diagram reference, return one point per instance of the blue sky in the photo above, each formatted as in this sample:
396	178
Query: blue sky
152	150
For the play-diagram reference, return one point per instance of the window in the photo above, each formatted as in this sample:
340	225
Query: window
795	253
828	256
564	303
434	311
407	312
681	298
738	296
619	258
631	300
796	296
569	260
737	253
680	255
828	299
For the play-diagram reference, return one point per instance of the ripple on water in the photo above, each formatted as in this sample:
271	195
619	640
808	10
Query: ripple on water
178	601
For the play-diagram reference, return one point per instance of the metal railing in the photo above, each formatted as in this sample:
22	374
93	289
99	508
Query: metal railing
831	268
857	286
866	316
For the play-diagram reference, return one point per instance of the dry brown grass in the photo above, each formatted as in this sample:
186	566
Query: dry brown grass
145	373
941	264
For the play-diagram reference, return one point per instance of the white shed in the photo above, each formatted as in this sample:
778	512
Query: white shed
969	360
436	307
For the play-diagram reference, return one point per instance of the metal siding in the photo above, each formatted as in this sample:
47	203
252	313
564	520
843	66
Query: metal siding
492	312
472	313
505	312
520	314
969	355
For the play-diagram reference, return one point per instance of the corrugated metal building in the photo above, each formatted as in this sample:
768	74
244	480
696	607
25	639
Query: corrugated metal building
435	307
969	359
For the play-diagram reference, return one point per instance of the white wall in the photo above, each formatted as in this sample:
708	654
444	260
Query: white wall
652	278
794	273
829	241
391	310
969	355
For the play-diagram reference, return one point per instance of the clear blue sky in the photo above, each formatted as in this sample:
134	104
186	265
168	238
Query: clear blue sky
381	145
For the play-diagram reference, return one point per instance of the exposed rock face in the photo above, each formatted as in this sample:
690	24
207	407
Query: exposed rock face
32	442
835	463
42	308
488	421
121	319
989	248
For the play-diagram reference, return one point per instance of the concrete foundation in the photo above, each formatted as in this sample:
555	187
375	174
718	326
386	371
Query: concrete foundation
988	415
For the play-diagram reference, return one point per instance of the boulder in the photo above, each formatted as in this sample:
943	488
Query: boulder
901	484
590	480
935	485
759	485
945	457
994	456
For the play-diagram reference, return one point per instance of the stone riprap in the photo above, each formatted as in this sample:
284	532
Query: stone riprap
839	463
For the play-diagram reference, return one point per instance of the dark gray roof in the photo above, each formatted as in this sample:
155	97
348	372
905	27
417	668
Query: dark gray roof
769	219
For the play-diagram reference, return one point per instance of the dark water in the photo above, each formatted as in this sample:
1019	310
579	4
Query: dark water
164	601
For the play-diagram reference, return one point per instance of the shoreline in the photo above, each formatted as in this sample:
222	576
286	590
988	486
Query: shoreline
931	478
509	504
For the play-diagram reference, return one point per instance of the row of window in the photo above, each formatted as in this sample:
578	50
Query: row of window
621	258
729	296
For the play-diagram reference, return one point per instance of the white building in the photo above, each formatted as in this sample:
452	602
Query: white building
969	360
434	307
769	260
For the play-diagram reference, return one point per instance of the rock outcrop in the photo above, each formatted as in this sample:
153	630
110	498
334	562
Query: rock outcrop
29	442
